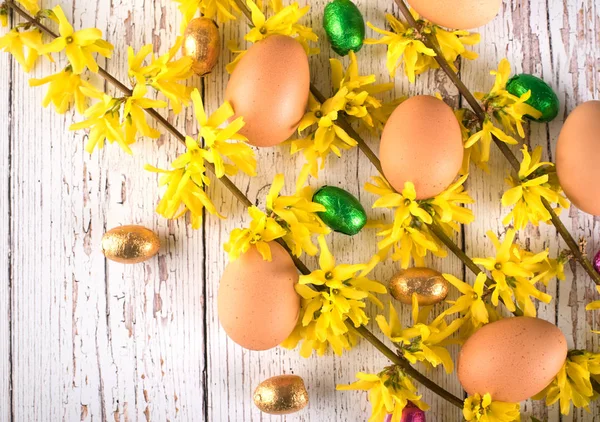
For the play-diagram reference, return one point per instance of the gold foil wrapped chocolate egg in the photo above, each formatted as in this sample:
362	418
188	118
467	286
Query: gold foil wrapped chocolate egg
429	285
202	42
281	395
130	244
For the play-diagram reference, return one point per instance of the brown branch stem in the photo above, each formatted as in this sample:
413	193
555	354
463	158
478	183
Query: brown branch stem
508	154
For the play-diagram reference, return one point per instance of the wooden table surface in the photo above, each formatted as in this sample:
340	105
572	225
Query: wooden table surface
86	339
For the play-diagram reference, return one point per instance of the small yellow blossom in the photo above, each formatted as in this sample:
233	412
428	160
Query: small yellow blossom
3	15
31	6
471	304
223	10
79	46
406	44
17	42
573	383
512	274
447	206
263	229
328	137
216	134
468	122
389	392
296	213
483	409
135	116
485	136
422	342
104	121
330	296
163	73
283	22
64	91
186	184
536	180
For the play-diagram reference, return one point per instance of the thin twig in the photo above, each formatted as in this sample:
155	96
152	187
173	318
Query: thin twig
508	154
364	332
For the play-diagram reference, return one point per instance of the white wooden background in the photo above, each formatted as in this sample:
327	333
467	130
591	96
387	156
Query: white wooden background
85	339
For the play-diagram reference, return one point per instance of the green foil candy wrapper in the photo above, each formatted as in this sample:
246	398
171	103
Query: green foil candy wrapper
345	26
543	98
344	213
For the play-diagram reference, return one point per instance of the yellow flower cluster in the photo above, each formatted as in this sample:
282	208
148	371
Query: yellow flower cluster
330	296
409	235
164	73
353	98
187	180
484	409
573	383
389	393
536	180
502	106
26	44
290	218
223	10
515	272
471	305
405	45
283	22
422	342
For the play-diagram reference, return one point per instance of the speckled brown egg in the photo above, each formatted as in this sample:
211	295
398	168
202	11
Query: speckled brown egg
457	14
269	88
257	304
578	157
512	359
421	143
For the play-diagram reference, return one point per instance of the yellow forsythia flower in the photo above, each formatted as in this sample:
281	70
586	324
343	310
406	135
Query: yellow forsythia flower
79	46
283	22
483	409
573	383
64	91
406	44
186	184
471	304
468	121
389	392
31	6
485	136
513	276
221	9
328	137
263	229
216	134
536	180
135	116
408	236
163	73
422	342
297	213
17	42
330	296
447	206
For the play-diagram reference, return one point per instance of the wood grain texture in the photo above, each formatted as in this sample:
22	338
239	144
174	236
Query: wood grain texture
86	339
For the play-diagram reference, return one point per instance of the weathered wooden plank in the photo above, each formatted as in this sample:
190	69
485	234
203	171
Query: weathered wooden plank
234	372
5	245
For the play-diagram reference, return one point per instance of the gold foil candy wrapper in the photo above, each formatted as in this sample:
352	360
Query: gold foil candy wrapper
130	244
281	395
202	42
429	285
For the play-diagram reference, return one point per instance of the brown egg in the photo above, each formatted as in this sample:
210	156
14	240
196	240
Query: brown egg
130	244
422	143
281	395
512	359
457	14
257	304
202	42
578	157
270	88
429	285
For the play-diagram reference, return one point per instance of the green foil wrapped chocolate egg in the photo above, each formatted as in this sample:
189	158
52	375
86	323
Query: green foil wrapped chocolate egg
343	212
543	98
345	26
